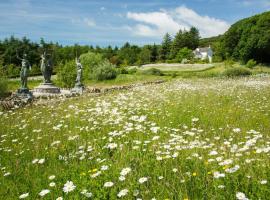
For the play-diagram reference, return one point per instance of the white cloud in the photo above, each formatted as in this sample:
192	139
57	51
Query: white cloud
85	21
156	24
89	22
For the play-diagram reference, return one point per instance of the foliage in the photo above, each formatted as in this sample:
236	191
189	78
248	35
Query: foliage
251	63
122	70
184	53
153	71
66	75
204	42
3	80
132	71
128	54
229	63
249	39
3	86
90	62
144	56
188	39
165	47
237	71
104	71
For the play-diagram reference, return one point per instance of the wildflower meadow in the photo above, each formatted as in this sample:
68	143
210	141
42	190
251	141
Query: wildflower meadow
185	139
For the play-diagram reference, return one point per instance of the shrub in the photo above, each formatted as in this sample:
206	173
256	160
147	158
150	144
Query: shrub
132	71
122	71
229	63
66	74
184	53
12	71
3	84
153	71
90	61
237	71
174	75
251	63
200	61
104	71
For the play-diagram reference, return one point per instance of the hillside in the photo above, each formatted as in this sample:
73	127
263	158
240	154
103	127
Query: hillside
249	39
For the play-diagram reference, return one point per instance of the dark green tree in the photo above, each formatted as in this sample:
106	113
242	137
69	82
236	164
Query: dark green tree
165	47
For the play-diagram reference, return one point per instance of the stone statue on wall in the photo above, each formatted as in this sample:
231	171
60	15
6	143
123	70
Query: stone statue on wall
79	73
46	67
24	73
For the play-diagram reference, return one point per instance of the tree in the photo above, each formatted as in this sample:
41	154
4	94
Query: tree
249	39
144	56
165	47
154	53
193	38
128	54
177	44
184	53
189	39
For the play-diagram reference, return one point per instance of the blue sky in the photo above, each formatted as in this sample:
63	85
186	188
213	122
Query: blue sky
113	22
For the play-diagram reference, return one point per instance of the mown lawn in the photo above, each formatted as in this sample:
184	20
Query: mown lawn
184	139
122	79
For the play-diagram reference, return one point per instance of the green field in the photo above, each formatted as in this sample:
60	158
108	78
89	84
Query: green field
183	139
178	67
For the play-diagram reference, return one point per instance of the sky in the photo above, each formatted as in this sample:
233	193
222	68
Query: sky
114	22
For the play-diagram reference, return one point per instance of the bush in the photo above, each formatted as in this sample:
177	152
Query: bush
184	53
200	61
132	71
237	71
174	75
122	71
104	71
228	63
90	61
12	71
153	71
3	84
251	63
66	74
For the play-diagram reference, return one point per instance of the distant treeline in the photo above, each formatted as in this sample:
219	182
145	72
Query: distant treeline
126	55
245	40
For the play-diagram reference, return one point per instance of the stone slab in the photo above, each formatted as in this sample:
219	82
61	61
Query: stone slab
47	88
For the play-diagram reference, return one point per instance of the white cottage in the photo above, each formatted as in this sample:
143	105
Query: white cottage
204	53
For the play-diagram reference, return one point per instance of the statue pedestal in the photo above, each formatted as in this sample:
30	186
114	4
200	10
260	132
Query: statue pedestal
47	88
78	89
24	93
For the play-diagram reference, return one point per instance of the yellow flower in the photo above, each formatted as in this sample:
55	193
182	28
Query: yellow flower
83	174
194	174
185	198
209	172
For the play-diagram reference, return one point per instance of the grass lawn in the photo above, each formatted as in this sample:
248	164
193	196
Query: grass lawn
178	67
122	79
184	139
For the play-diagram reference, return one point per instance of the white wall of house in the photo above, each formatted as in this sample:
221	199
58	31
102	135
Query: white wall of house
203	54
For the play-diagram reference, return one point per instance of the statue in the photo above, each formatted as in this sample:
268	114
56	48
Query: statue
78	89
24	73
79	73
46	67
